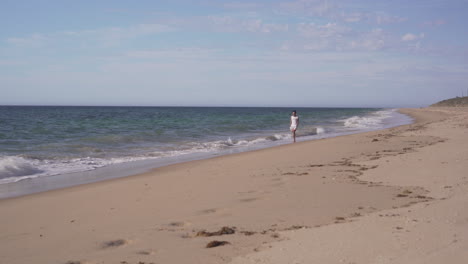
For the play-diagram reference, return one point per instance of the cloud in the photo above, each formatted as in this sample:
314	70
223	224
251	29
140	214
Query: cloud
104	36
435	23
115	34
315	37
241	5
311	30
328	9
336	37
383	18
307	7
34	40
173	54
379	18
373	40
243	22
353	17
412	37
259	26
233	24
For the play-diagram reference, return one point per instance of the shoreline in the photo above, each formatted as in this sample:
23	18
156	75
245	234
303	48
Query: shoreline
37	155
41	184
266	195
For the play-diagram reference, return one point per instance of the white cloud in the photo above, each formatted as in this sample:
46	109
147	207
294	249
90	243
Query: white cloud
383	18
333	36
175	53
106	36
247	22
337	12
329	30
33	40
241	5
373	40
435	23
378	18
315	37
119	33
308	7
353	17
412	37
336	37
232	24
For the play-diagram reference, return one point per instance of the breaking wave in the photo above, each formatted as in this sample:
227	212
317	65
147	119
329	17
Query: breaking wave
17	168
372	121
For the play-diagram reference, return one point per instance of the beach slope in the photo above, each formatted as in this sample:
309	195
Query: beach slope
433	231
390	196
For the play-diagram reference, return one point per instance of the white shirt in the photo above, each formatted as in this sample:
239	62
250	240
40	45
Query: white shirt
294	120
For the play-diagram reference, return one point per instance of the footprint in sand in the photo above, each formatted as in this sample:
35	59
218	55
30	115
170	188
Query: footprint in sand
114	243
246	200
278	181
146	252
139	262
315	165
216	243
340	219
248	192
209	211
222	212
179	224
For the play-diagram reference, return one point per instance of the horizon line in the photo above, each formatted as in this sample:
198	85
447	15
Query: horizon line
199	106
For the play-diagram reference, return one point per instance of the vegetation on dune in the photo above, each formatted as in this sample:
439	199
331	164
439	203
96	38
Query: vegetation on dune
454	102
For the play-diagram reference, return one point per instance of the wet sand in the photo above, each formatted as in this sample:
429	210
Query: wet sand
295	203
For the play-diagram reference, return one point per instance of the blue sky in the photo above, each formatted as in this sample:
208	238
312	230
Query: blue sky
313	53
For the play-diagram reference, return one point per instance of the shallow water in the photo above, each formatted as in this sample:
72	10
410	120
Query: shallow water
42	141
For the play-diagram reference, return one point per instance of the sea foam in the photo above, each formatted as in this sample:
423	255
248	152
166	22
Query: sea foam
11	166
372	121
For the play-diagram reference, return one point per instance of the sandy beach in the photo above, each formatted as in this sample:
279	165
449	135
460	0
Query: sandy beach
392	196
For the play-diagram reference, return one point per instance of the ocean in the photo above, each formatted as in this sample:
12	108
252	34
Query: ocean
42	142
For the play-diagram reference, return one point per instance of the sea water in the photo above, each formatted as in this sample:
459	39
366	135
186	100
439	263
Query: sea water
40	142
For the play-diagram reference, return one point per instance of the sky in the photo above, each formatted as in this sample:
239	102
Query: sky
303	53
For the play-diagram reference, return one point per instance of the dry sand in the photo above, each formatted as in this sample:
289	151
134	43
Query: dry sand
392	196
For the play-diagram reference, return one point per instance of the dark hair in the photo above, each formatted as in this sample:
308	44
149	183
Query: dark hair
294	111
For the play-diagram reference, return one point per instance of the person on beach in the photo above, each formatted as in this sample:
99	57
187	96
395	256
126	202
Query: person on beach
294	124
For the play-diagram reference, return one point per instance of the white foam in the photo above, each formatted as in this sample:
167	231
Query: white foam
320	131
372	121
15	168
12	166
